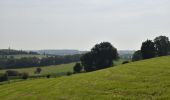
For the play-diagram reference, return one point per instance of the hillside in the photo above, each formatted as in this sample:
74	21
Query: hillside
145	80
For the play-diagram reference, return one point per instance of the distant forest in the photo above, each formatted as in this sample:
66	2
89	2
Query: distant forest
49	57
15	52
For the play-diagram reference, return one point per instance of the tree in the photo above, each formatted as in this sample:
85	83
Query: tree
38	70
101	56
77	68
169	49
104	54
162	45
148	49
137	55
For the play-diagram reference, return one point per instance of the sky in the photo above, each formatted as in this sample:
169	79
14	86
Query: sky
80	24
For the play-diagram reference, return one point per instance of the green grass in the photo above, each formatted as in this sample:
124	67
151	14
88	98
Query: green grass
54	69
143	80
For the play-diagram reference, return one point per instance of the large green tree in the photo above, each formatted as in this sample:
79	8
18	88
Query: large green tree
101	56
162	45
148	49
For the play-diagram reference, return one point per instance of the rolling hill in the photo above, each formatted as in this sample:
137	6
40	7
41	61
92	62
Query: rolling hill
142	80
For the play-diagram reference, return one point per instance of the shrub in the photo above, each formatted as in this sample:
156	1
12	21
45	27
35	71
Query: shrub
25	75
125	62
69	73
38	70
48	76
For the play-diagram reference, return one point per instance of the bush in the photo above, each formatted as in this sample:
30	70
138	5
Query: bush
12	73
48	76
38	70
25	75
69	73
4	77
125	62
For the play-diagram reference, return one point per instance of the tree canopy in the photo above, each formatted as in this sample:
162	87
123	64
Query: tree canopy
148	49
101	56
162	44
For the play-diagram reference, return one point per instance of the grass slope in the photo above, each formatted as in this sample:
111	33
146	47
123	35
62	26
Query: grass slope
143	80
53	69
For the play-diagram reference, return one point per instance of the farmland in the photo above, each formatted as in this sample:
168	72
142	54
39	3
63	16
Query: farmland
147	79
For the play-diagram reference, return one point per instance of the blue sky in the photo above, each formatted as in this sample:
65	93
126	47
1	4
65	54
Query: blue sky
79	24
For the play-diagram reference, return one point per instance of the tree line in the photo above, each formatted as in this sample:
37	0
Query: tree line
102	55
15	52
34	61
160	46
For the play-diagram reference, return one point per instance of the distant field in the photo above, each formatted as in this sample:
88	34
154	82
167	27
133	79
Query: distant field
52	69
142	80
46	69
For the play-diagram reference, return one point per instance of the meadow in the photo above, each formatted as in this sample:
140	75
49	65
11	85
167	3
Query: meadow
53	69
141	80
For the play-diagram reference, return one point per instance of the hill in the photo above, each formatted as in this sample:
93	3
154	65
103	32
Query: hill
143	80
14	52
59	52
17	54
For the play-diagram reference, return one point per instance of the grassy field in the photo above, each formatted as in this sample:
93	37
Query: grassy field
143	80
54	69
